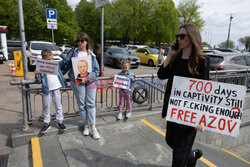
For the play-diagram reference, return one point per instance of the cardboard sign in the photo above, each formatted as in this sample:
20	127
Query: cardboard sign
217	106
121	82
82	66
47	66
18	63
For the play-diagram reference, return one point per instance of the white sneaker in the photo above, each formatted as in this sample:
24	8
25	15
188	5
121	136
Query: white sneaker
95	134
119	116
86	130
128	114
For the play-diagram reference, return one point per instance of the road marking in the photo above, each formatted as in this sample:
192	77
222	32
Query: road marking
210	164
235	155
36	152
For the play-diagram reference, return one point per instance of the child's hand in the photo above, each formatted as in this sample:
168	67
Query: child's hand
199	128
36	72
83	80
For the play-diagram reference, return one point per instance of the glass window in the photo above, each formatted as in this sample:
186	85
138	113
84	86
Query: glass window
239	60
42	46
248	60
215	59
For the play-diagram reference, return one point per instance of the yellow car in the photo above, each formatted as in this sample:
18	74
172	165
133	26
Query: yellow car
147	55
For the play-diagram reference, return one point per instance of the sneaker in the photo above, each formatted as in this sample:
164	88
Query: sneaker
95	134
86	130
61	126
128	114
45	128
119	116
197	153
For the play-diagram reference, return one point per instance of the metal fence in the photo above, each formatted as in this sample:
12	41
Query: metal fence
147	93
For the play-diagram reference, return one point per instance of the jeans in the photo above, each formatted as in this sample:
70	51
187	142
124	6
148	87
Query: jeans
127	96
54	95
85	97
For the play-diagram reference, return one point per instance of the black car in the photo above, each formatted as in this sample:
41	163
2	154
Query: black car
13	45
114	55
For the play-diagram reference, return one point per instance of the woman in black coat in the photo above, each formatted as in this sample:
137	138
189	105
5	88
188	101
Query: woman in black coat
186	59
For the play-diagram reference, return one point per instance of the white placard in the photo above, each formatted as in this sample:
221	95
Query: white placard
82	66
215	105
121	82
47	66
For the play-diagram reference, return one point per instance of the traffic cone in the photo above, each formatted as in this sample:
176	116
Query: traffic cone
13	69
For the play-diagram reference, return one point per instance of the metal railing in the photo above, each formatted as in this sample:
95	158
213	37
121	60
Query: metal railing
148	88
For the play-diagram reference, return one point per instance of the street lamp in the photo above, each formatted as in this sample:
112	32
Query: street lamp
231	17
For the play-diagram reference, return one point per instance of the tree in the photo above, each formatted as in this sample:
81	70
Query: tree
223	45
245	41
206	44
89	19
9	18
188	13
164	22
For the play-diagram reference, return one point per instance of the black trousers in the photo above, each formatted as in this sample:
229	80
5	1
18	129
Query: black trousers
181	138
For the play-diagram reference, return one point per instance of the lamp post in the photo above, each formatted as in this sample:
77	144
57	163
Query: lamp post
231	17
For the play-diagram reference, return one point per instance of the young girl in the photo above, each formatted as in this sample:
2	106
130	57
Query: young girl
124	92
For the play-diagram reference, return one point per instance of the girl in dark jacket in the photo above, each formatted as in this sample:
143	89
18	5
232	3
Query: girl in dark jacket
186	59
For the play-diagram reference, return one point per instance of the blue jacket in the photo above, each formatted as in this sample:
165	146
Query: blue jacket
42	78
128	75
92	77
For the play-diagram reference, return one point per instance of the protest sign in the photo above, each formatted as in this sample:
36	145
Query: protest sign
47	66
121	82
82	67
217	106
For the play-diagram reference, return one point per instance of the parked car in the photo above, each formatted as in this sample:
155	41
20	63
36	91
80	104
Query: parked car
132	48
229	61
113	56
148	55
34	49
65	48
1	56
13	45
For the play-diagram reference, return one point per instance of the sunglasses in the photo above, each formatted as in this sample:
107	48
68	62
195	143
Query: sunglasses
182	36
82	40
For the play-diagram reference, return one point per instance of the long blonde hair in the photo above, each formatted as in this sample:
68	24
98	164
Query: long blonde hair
196	54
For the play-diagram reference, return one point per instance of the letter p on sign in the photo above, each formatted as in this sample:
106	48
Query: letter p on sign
51	13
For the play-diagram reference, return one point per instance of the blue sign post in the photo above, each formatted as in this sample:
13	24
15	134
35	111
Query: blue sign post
51	20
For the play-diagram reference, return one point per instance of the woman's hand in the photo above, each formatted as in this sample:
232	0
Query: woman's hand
132	77
199	128
171	52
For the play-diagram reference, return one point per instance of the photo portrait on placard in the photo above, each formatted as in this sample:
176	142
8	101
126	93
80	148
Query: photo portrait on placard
82	67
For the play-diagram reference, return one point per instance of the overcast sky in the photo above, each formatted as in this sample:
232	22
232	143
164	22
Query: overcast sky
216	14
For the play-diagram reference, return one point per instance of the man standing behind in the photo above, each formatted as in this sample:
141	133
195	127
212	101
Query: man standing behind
160	56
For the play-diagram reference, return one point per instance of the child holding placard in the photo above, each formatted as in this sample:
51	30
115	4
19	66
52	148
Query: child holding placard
51	85
125	92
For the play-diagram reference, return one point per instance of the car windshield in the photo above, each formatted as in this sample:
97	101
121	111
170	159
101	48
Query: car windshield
42	46
119	51
215	59
153	50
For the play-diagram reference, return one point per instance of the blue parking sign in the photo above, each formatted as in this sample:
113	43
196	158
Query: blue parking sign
51	13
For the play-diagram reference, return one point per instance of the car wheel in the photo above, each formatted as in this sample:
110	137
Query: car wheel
151	63
30	67
1	61
116	63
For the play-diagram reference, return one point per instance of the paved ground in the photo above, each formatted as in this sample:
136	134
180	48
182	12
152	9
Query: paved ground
133	143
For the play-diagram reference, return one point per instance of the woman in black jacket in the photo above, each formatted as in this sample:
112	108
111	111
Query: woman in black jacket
186	59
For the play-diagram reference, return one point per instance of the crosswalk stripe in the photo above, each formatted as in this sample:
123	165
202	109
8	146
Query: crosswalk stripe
36	152
210	164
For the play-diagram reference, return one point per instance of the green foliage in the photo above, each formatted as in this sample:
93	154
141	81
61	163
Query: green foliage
9	17
245	41
188	12
34	13
223	45
206	44
89	19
